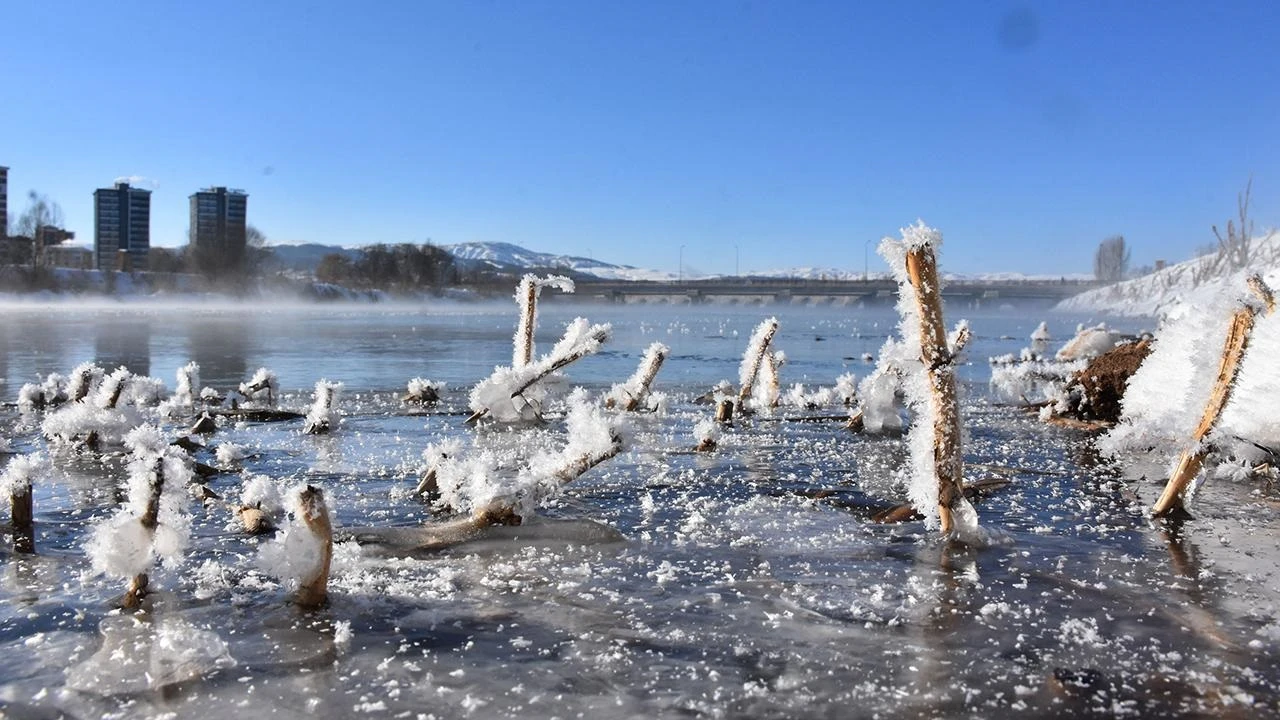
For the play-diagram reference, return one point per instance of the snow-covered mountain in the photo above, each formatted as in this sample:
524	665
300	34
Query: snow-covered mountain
305	257
505	256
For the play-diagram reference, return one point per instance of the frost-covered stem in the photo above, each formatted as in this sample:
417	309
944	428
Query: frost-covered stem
580	465
651	364
1191	461
527	296
774	387
922	271
429	485
313	591
149	521
724	412
599	336
753	367
83	384
22	516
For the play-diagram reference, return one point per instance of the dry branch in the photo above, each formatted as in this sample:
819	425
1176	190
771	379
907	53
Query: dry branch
149	521
1191	461
922	271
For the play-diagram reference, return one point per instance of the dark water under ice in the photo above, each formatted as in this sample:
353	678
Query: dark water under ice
748	582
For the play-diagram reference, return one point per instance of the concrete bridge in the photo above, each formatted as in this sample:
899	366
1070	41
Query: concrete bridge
763	291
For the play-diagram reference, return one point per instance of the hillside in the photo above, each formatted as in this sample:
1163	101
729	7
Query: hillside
1163	291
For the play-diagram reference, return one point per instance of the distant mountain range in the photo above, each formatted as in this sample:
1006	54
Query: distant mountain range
513	258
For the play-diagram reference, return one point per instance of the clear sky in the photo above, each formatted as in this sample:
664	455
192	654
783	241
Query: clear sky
798	131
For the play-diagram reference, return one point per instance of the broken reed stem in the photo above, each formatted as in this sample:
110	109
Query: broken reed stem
313	592
724	412
1191	461
579	466
648	373
523	351
774	367
22	517
754	368
922	271
600	336
149	521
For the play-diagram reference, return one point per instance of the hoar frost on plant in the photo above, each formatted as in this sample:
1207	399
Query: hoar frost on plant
1167	395
475	481
706	431
120	546
494	395
636	388
260	491
765	394
846	390
904	356
753	356
295	554
527	293
18	474
84	378
34	396
323	416
262	386
421	387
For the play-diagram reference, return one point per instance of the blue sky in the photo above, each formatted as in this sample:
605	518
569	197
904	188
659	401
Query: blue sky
797	131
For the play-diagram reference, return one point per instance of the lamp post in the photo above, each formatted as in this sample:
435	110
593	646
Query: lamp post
866	247
736	272
680	270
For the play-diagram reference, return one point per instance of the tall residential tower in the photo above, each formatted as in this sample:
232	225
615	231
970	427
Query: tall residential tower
218	226
121	221
4	202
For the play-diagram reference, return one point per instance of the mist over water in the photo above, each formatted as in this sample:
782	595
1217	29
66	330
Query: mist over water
745	582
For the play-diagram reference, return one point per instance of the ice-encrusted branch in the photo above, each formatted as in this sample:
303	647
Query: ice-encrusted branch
323	417
527	293
752	358
937	484
515	394
154	522
635	390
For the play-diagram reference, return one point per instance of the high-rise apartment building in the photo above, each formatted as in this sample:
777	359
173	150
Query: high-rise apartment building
121	221
218	227
4	201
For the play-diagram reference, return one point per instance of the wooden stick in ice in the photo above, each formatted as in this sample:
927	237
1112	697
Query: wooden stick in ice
313	591
505	513
1191	461
150	520
765	332
637	388
22	516
922	271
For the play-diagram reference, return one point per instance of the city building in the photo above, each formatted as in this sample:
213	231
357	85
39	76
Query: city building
121	221
4	201
68	255
218	228
48	236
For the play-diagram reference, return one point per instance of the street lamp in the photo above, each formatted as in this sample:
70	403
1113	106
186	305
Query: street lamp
680	271
866	247
736	273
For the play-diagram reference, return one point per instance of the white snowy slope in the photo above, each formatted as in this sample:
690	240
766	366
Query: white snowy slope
505	256
1163	291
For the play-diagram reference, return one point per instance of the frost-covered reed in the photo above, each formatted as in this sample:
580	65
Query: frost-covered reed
263	386
926	360
302	553
154	523
630	394
516	394
752	360
15	483
527	293
323	415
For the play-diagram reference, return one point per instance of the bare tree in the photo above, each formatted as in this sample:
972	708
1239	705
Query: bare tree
1235	249
1111	261
41	211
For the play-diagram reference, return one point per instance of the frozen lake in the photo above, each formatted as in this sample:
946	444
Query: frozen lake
747	582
